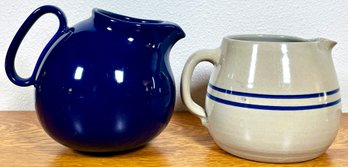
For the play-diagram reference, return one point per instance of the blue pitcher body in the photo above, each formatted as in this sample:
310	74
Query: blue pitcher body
105	84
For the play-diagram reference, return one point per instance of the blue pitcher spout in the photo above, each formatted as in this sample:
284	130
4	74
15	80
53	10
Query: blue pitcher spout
175	33
171	33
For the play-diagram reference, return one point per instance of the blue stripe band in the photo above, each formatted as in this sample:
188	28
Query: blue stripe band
298	96
264	107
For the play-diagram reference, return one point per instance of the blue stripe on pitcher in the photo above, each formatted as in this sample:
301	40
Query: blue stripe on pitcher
297	96
265	107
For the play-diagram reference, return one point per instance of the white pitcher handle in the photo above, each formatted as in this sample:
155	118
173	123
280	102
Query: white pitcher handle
210	55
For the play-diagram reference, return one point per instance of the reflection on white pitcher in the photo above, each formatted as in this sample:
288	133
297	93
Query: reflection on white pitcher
270	98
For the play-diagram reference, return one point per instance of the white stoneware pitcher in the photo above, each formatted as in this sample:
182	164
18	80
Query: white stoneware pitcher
270	98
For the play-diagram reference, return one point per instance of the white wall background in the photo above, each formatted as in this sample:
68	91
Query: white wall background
204	21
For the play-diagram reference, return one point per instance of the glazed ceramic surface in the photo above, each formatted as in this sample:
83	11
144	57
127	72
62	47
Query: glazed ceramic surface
104	84
270	98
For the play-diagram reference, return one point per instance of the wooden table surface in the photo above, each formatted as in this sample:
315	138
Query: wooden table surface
185	142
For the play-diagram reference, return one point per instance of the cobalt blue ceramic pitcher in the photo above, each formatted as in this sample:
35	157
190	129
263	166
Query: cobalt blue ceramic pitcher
105	84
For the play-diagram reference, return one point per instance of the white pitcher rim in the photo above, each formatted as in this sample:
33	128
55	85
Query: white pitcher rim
269	38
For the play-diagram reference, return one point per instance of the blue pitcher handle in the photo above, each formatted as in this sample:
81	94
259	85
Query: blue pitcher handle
12	51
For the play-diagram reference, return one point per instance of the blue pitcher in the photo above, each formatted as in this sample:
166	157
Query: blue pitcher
104	85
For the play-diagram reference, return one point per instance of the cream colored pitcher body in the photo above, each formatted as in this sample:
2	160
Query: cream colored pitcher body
270	98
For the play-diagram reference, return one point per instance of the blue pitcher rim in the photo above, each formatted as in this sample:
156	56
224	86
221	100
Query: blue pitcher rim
127	20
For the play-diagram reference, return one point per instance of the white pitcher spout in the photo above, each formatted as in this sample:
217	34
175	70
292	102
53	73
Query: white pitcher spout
326	44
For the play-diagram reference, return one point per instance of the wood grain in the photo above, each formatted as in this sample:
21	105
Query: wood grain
185	142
